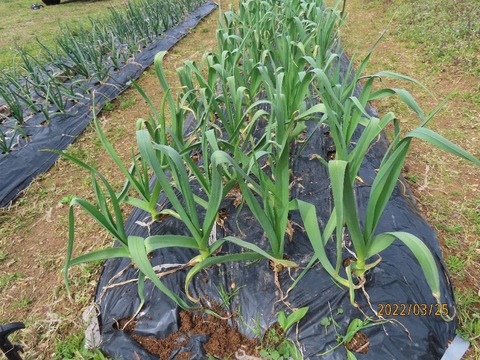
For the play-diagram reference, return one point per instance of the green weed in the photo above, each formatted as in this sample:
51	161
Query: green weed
468	303
127	103
22	302
109	106
3	255
276	346
447	30
73	347
227	296
8	279
66	199
456	265
452	243
412	178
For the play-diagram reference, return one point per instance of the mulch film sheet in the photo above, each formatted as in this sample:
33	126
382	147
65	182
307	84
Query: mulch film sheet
398	279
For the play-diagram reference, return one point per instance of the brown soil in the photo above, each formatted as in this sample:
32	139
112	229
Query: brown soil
224	340
359	343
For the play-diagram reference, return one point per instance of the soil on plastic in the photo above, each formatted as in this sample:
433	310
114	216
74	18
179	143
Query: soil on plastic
224	339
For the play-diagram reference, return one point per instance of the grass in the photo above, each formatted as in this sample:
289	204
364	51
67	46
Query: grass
126	103
3	255
468	303
72	348
21	303
108	106
449	32
8	279
43	23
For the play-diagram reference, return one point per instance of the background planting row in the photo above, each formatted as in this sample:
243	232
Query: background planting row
84	55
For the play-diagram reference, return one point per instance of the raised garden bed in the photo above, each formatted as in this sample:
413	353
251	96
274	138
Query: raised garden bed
277	198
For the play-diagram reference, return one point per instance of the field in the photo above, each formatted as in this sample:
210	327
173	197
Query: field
23	26
33	231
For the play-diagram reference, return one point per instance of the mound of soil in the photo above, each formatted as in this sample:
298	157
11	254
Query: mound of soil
224	339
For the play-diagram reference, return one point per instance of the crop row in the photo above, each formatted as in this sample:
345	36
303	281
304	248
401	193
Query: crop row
87	54
277	68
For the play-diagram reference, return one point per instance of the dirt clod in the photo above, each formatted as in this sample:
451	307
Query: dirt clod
359	343
224	339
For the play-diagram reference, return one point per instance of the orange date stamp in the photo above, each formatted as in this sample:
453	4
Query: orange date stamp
416	309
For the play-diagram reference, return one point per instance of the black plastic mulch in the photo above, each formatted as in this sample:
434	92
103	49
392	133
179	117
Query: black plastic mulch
398	279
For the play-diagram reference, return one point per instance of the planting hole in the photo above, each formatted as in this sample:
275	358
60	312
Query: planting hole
161	217
223	214
277	267
196	156
4	110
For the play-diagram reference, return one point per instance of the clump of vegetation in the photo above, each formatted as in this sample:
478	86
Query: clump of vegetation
275	344
273	59
456	41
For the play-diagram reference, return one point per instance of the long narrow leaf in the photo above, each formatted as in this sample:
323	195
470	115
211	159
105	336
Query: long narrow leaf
104	254
336	170
442	143
406	97
139	257
258	250
155	242
419	249
310	223
383	186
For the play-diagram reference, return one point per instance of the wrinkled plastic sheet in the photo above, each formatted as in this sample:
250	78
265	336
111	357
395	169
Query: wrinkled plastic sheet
21	166
398	279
